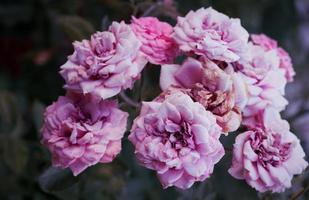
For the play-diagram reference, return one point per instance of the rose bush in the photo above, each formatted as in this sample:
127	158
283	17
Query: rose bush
224	83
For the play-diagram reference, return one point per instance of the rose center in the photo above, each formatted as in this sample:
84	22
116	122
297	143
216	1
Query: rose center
103	44
179	138
270	150
216	101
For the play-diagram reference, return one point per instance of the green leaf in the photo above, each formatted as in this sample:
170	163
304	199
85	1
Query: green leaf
56	179
10	115
76	27
15	153
8	107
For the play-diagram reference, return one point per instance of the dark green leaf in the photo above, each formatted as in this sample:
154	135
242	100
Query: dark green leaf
15	154
55	179
10	115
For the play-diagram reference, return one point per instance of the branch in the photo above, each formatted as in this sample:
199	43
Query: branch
128	100
149	10
299	193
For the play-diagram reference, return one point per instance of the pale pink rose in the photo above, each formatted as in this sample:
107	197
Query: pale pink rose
156	37
265	81
207	32
285	60
178	139
107	63
258	120
83	131
264	93
221	92
258	62
268	157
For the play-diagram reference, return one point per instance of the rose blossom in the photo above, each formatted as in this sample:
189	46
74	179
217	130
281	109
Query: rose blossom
265	81
177	138
268	157
207	32
221	92
104	65
83	131
157	43
285	60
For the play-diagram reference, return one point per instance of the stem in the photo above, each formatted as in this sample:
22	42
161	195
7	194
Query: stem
299	193
150	9
129	101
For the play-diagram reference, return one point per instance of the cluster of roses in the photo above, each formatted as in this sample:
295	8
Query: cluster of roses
225	81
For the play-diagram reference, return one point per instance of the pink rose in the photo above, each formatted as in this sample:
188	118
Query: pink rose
104	65
285	60
258	62
157	43
83	131
209	33
268	157
221	92
264	93
177	138
265	81
260	118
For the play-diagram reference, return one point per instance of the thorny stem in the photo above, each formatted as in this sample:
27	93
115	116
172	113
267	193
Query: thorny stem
128	100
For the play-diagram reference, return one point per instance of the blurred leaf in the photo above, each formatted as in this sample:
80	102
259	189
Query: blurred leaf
221	179
7	106
93	190
10	116
39	196
15	153
71	193
55	179
37	114
76	27
199	191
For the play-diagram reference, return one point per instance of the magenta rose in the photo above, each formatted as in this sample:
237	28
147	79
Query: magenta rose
285	60
221	92
157	43
83	131
268	157
178	139
207	32
107	63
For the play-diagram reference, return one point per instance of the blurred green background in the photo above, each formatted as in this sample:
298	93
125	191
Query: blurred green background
35	40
